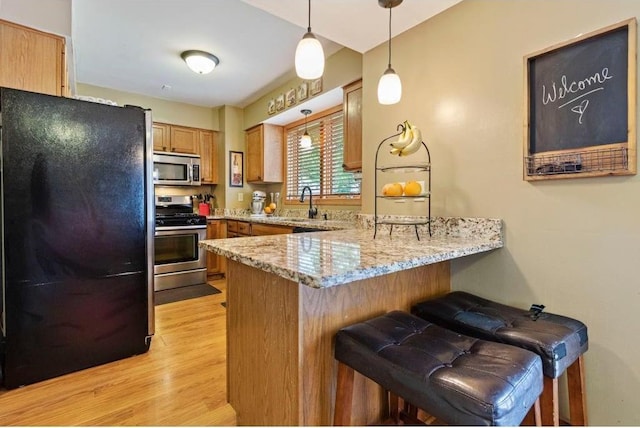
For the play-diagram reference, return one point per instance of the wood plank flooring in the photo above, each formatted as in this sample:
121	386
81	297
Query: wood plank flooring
180	381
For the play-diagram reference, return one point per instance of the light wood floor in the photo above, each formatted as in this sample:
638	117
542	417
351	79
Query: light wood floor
180	381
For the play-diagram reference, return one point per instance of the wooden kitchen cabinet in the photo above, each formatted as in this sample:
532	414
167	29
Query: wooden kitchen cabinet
237	228
208	156
215	263
259	229
161	136
174	138
32	60
264	144
352	109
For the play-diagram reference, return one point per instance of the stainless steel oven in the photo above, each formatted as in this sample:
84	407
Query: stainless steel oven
178	260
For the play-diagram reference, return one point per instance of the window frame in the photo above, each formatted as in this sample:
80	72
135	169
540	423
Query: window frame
354	200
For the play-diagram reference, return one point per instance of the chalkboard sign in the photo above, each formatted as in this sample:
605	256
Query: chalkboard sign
581	98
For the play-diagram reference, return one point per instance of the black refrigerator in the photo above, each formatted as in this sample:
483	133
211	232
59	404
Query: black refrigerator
77	218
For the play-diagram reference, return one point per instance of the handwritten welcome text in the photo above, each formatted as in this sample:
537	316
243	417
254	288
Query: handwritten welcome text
565	88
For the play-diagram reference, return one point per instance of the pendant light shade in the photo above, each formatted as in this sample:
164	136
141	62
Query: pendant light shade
199	61
389	85
305	140
389	88
309	55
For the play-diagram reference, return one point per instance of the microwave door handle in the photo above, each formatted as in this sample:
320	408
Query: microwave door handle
190	173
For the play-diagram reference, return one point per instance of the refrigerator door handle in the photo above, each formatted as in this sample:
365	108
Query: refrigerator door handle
151	217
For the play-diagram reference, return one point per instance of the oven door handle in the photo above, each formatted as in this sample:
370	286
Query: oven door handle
179	228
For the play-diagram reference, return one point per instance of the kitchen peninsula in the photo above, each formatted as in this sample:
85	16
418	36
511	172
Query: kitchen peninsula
287	295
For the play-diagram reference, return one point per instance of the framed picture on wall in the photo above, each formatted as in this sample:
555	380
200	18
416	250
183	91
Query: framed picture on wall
271	106
280	102
291	97
303	91
236	169
316	86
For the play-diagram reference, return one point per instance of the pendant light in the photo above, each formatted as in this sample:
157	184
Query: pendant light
389	86
305	140
309	55
199	61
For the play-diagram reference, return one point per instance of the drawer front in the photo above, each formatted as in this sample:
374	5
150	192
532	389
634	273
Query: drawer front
244	228
265	229
232	226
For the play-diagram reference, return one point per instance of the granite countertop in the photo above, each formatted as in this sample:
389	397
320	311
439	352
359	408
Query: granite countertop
290	221
331	258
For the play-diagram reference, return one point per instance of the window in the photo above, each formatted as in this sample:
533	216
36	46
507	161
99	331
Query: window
320	166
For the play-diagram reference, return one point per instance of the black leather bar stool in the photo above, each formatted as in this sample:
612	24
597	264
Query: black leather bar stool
457	379
560	341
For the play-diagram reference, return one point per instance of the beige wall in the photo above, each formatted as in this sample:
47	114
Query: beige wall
162	110
231	119
572	245
341	68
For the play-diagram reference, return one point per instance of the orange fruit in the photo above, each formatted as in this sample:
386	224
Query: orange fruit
412	188
392	189
267	210
273	206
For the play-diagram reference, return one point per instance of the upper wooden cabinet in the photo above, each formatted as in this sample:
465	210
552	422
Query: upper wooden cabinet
173	138
161	136
264	154
208	157
32	60
352	133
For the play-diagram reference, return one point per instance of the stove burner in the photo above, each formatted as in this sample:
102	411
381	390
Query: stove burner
180	219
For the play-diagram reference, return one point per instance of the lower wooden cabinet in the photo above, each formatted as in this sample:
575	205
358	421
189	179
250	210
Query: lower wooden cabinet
259	229
237	228
216	265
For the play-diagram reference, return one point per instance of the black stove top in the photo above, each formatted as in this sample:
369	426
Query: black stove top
178	216
181	220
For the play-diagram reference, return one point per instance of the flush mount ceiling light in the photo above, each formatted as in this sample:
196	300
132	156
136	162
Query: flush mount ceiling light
199	61
389	86
309	55
305	140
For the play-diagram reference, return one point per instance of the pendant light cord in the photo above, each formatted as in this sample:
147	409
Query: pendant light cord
309	27
389	35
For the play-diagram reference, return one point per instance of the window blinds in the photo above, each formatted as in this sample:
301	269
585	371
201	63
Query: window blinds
320	166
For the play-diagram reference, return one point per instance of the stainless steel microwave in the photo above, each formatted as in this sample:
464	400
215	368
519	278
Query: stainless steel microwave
176	169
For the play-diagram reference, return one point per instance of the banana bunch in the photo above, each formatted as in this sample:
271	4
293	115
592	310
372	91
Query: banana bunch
409	141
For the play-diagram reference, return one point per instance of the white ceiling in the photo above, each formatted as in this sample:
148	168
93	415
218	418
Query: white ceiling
135	45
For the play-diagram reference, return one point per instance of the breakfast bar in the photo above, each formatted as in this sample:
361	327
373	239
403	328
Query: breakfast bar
287	296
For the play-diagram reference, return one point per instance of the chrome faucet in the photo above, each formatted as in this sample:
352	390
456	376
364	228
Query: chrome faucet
313	211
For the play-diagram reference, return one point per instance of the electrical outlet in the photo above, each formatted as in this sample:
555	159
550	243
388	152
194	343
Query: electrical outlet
240	197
